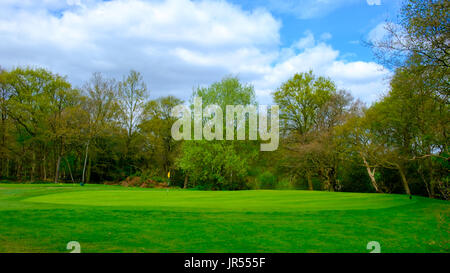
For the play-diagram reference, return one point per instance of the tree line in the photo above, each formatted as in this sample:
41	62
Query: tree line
109	129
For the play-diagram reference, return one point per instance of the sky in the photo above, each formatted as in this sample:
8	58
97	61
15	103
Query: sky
178	45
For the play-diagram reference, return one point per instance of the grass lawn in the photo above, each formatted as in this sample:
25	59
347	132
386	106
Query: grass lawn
44	218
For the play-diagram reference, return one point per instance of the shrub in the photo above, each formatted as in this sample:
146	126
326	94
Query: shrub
283	184
267	180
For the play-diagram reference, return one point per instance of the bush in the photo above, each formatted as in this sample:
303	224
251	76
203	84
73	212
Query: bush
283	184
356	179
267	180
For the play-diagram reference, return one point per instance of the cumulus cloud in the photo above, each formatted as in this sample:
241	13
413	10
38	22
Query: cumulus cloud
365	80
305	42
378	32
175	44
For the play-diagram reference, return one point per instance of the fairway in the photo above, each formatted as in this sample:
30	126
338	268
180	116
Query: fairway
44	218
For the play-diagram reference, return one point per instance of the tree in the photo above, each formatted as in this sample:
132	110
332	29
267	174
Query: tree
156	128
219	164
40	103
132	96
101	107
6	137
408	125
64	121
311	108
215	165
414	113
300	99
422	29
355	136
421	36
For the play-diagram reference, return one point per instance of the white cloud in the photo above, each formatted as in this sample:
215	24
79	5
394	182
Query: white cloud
374	2
378	32
365	80
305	42
175	44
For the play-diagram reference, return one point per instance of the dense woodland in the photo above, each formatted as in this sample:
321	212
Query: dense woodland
109	129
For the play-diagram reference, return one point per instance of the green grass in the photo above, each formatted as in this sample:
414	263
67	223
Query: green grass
44	218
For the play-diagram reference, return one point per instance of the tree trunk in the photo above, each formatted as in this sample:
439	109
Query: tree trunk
85	161
371	173
431	177
89	168
424	180
332	179
185	181
310	184
19	170
33	166
7	167
3	167
44	163
70	171
404	181
57	168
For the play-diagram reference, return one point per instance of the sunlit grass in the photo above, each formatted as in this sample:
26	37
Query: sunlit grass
43	218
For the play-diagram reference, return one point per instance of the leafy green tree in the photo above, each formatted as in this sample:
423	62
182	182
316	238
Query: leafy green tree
6	124
300	100
156	128
422	29
411	122
101	108
355	136
220	164
215	165
132	97
42	105
409	126
419	42
311	107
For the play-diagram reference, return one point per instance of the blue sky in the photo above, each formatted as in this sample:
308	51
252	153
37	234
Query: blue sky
348	22
180	44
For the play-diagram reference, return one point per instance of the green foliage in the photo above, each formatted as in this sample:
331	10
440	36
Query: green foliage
301	98
267	180
219	165
214	165
426	25
284	184
311	110
355	179
229	91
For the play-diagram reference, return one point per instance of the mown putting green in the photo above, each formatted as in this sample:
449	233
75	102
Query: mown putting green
258	201
44	218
